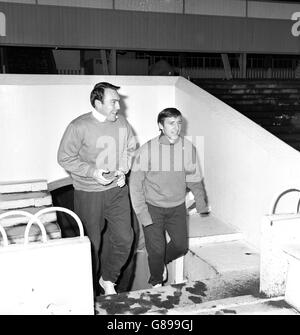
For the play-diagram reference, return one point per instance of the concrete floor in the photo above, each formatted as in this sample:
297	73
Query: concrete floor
210	297
161	300
222	277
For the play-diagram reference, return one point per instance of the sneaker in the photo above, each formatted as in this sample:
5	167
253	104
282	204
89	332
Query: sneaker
165	273
107	286
157	285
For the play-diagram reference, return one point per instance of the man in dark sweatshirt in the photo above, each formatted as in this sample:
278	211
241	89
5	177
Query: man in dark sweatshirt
163	169
97	149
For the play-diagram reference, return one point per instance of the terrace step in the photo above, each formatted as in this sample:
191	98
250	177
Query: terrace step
201	231
15	234
252	91
263	101
23	186
158	300
210	229
230	260
241	305
26	199
28	196
14	220
192	298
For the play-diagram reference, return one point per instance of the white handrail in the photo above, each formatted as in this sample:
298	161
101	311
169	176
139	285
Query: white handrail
31	219
3	232
62	209
34	218
282	194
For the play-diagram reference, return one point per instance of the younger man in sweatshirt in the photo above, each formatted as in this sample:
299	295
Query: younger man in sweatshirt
162	170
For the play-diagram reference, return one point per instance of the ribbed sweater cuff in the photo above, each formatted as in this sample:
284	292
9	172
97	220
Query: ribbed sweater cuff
144	218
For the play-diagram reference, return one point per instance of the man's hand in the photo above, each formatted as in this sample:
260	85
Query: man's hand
121	178
98	176
192	211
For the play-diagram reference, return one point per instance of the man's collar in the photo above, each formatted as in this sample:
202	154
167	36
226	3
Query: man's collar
98	116
164	140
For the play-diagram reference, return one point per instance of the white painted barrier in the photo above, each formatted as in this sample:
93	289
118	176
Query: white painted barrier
49	277
277	232
292	292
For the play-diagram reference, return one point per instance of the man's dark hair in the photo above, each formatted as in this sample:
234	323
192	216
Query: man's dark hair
167	112
98	91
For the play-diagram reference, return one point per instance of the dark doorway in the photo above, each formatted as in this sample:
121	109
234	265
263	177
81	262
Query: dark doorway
64	197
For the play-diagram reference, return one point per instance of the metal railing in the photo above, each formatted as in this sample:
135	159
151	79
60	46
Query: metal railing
281	195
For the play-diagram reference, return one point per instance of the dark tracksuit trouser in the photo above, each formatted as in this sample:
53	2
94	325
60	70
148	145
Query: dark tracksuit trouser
172	220
94	209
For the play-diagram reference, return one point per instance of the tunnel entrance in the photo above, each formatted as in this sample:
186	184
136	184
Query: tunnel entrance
64	197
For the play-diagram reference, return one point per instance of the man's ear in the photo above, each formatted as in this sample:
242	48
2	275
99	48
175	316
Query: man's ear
160	126
98	104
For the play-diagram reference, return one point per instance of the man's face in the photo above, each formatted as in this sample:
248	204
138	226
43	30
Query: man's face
171	127
110	105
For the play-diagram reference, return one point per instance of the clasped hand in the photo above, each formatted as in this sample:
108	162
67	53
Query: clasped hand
98	176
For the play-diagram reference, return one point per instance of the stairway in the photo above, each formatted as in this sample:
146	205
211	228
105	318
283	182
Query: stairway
220	269
29	196
219	254
273	104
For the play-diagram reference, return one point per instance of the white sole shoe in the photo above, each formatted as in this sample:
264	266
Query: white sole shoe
107	286
157	285
165	273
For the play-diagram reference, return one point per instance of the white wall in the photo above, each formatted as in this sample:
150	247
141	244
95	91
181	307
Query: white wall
47	278
35	111
245	167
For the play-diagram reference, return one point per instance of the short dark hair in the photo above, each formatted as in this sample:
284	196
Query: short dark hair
167	112
98	91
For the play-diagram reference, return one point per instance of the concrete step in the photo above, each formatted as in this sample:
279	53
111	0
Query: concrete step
26	199
202	232
233	260
247	84
28	196
218	265
268	114
257	96
158	300
210	229
261	91
242	305
23	186
261	101
15	234
265	108
206	297
20	219
209	238
266	122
